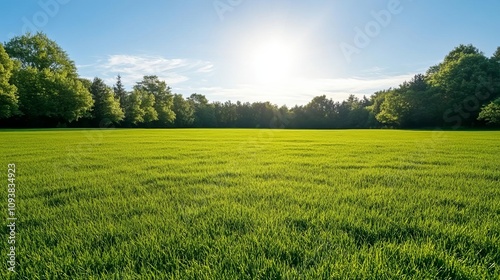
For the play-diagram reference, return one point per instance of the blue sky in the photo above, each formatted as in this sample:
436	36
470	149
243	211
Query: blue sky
281	51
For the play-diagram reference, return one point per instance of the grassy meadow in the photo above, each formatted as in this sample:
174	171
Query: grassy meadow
254	204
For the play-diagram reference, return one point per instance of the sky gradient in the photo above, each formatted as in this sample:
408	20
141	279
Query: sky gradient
281	51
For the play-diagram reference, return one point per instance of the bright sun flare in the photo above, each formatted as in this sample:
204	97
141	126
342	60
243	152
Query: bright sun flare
272	63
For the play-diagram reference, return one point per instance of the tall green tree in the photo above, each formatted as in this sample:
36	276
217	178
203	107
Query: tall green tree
357	114
495	60
8	92
47	79
394	109
421	109
163	99
86	83
204	112
409	105
226	114
463	83
245	115
106	106
120	92
184	112
265	114
320	112
140	108
496	55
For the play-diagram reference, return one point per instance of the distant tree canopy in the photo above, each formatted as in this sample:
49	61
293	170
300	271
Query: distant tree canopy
40	86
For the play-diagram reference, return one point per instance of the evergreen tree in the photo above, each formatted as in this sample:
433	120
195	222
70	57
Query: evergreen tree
106	106
120	92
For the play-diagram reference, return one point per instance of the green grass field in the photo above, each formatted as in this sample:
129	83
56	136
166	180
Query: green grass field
253	204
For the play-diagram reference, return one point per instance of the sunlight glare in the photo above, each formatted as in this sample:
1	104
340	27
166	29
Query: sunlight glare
272	63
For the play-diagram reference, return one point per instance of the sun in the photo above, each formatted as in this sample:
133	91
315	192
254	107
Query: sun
272	62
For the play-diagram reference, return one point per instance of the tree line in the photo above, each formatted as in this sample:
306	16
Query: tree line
40	87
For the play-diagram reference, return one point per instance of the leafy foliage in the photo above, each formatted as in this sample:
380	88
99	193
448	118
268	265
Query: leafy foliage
8	92
203	111
184	112
106	106
39	52
491	112
140	107
47	80
466	74
163	100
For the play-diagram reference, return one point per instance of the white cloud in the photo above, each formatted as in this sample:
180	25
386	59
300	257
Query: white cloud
132	68
374	70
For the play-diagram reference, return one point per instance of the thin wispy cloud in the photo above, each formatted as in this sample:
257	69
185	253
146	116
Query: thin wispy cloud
132	68
374	70
361	85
